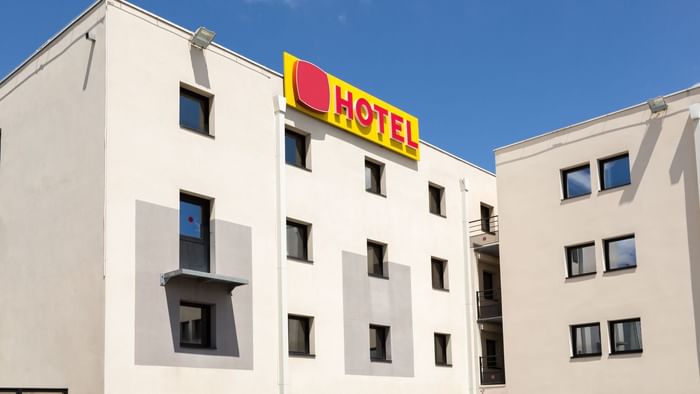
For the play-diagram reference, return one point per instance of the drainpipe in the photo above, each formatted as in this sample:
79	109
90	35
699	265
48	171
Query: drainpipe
469	291
280	105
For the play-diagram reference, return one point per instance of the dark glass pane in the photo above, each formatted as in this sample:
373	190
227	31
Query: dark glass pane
191	215
440	349
581	260
626	336
491	356
615	172
194	111
577	182
488	285
438	273
377	342
194	325
194	233
586	340
485	219
435	197
372	177
375	259
295	149
621	253
298	335
297	240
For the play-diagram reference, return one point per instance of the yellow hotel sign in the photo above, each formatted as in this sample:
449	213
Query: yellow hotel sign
316	93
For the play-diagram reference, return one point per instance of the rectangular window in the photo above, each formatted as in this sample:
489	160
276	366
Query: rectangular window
491	354
439	273
442	350
379	343
486	213
436	197
195	325
376	254
300	335
373	177
585	340
625	336
620	253
580	260
295	149
614	172
487	278
194	111
194	233
576	181
298	240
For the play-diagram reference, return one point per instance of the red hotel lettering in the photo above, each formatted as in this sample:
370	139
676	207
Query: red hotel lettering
341	103
409	136
381	116
364	113
396	122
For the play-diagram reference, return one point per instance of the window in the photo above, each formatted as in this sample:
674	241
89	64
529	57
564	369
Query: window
298	240
439	273
620	253
436	196
194	111
614	172
585	340
580	260
488	285
300	335
486	213
373	177
491	354
194	233
577	181
379	343
625	336
376	254
442	350
195	325
294	149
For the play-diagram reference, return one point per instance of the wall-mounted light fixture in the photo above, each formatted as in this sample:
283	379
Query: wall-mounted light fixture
657	104
202	37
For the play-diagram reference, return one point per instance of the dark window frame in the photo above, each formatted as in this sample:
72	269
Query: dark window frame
306	234
606	252
33	390
307	327
440	204
207	326
486	220
205	241
384	274
601	174
574	337
383	335
568	250
374	165
203	99
301	140
443	283
564	185
445	349
611	336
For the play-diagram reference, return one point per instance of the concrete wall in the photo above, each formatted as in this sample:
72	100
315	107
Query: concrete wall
660	207
51	215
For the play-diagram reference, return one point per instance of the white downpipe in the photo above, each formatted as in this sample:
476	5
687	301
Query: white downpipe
469	291
280	105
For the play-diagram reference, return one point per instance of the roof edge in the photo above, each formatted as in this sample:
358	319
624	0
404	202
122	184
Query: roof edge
452	155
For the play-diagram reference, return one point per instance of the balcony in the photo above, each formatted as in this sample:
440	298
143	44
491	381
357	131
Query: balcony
492	370
483	235
488	305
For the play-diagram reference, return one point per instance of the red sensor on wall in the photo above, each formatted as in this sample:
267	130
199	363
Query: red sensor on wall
312	87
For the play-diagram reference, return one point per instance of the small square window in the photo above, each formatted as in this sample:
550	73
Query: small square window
298	240
442	350
376	259
436	197
195	325
576	181
614	172
585	340
374	173
295	148
194	111
194	232
439	273
620	253
379	346
625	336
300	328
580	260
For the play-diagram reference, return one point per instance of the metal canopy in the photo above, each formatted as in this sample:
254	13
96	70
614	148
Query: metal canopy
202	277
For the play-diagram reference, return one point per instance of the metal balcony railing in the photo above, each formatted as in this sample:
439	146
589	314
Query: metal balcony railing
488	304
492	370
484	231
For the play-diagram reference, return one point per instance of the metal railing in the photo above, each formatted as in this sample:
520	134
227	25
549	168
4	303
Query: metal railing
488	304
483	231
492	369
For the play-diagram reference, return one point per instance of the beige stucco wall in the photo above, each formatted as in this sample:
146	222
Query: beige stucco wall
51	215
660	207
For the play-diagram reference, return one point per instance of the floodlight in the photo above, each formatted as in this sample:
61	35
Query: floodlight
657	104
202	37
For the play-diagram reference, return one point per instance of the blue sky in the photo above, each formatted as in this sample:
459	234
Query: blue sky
478	74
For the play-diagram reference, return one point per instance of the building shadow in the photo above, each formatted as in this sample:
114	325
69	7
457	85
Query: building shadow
641	162
199	67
